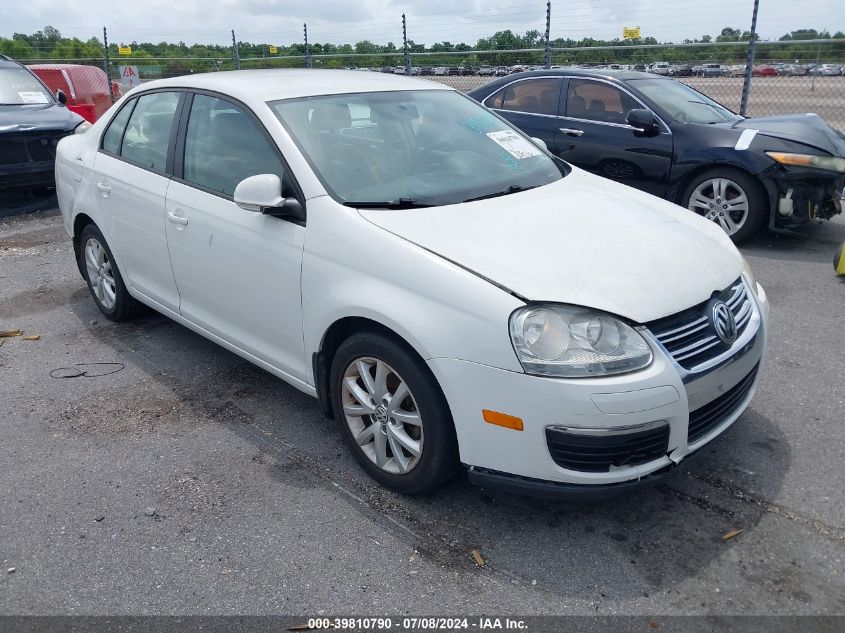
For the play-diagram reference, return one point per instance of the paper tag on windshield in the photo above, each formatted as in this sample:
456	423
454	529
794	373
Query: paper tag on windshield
514	144
33	97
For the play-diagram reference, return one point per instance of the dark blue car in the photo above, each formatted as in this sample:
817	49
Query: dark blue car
32	120
662	136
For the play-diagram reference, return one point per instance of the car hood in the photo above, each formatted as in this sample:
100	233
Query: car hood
25	118
582	240
807	129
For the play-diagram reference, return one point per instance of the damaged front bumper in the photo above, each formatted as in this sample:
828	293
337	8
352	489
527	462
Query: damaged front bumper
802	195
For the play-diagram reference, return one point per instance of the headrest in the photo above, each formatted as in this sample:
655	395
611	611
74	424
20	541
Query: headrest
330	116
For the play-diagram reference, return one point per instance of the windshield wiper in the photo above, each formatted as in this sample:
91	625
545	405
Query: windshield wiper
497	194
399	203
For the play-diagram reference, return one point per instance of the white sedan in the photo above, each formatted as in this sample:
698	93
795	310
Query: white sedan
449	291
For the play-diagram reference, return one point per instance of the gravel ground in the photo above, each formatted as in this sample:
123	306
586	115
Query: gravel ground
190	482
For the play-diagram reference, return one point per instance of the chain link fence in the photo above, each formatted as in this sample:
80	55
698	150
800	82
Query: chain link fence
794	76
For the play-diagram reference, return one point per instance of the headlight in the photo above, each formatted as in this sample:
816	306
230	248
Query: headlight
82	128
573	342
748	275
831	163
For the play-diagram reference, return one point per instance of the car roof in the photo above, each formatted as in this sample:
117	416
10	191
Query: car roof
599	73
8	62
270	85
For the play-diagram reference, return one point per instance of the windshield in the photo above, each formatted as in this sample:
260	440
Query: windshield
682	103
412	148
19	87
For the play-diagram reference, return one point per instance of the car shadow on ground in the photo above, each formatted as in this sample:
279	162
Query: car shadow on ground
20	201
653	539
814	242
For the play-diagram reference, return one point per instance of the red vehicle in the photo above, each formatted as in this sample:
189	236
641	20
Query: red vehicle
765	71
86	87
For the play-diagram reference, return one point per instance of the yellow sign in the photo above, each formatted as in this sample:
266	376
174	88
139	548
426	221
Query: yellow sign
273	50
124	50
631	33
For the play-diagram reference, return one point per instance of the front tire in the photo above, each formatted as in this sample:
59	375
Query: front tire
735	201
105	283
392	414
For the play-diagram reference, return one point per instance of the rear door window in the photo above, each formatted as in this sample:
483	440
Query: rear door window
114	133
535	96
147	138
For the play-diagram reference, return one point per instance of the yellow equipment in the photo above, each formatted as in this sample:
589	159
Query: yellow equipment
839	260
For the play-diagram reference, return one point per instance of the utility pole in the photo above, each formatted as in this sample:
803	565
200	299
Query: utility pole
106	65
548	33
236	57
405	45
307	48
749	66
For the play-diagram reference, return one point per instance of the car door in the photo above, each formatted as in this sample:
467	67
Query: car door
531	105
131	176
592	134
238	272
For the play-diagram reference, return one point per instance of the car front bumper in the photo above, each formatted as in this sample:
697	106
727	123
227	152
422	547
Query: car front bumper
662	396
803	195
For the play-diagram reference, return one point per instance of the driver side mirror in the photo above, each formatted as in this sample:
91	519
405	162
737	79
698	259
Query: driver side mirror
61	97
641	119
263	194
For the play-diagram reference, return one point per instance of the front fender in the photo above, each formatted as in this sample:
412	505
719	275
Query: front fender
352	268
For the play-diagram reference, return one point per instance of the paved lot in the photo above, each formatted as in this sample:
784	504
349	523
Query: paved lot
191	482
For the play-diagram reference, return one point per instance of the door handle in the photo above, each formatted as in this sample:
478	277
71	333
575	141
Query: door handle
104	189
571	131
177	217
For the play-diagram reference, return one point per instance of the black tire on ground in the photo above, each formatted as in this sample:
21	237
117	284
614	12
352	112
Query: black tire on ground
125	306
758	201
438	461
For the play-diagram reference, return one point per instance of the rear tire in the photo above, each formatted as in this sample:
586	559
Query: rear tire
105	283
392	414
732	199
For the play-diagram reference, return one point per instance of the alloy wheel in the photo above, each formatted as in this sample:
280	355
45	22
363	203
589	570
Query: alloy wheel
722	201
382	415
100	273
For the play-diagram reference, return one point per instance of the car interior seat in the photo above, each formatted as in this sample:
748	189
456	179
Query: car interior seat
577	106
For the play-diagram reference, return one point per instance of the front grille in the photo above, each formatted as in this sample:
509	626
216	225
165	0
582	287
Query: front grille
597	453
706	418
690	337
30	147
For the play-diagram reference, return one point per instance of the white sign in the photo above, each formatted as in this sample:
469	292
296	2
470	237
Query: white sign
514	144
129	77
33	97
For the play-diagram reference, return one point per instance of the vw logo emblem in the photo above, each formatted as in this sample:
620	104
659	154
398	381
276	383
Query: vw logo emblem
381	414
723	322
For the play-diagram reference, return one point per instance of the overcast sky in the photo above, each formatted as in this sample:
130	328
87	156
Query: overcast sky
348	21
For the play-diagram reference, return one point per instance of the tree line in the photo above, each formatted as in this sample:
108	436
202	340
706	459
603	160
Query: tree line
49	44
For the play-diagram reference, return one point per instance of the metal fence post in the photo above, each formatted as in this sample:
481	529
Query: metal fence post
236	57
548	32
307	48
405	46
749	66
106	64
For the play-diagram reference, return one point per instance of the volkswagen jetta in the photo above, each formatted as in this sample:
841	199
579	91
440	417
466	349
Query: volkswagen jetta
451	292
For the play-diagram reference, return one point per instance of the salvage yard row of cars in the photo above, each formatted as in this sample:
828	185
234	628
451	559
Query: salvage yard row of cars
436	268
710	69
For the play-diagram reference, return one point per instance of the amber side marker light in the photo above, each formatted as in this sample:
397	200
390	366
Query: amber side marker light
502	419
